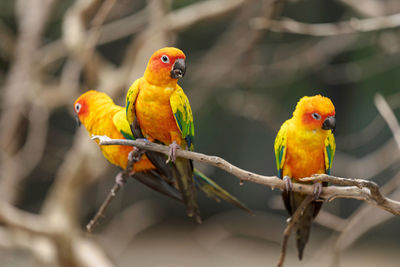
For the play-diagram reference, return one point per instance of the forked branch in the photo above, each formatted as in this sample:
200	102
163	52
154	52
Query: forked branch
349	188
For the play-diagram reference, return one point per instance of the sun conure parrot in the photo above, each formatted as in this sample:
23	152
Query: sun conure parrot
159	111
100	116
304	146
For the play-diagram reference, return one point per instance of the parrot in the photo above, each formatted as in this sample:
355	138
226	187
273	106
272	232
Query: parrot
100	116
158	110
305	146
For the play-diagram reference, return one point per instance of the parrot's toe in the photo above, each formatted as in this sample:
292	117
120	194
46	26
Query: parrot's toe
317	190
288	183
135	154
172	151
120	179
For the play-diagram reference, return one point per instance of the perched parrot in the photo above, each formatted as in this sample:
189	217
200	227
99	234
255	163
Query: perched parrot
100	116
304	146
158	110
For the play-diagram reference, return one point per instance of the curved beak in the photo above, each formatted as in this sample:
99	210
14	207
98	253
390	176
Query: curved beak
78	122
329	123
178	69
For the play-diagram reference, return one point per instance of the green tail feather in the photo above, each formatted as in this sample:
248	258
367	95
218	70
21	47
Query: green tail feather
184	178
213	190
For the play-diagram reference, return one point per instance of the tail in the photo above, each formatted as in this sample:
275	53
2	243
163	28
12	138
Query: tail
292	202
304	228
213	190
183	173
154	180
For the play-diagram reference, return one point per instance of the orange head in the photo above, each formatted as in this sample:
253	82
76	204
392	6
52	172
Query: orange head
89	103
315	112
165	67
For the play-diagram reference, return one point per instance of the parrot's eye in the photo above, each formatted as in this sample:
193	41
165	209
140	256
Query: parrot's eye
316	116
165	59
77	107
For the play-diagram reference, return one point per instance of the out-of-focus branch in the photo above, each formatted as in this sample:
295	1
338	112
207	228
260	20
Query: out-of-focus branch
18	219
22	81
253	106
328	29
233	51
365	218
359	189
174	21
71	249
388	115
369	8
369	132
7	42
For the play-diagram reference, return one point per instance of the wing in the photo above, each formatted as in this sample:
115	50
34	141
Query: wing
130	102
330	147
183	116
122	124
280	148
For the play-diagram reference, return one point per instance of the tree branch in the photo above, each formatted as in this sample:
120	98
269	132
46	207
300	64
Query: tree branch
133	156
355	188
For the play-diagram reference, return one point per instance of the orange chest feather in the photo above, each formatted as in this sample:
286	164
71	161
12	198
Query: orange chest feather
304	156
117	155
154	113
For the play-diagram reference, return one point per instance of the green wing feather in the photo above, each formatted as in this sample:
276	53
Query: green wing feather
122	124
280	148
183	116
330	147
130	101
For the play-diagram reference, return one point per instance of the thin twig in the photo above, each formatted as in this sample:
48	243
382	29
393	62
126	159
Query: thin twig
364	190
100	213
291	224
133	157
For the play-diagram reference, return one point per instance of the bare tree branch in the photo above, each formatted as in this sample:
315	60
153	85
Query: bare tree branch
360	189
119	180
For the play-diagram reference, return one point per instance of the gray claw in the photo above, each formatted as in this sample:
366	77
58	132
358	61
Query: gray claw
288	183
172	151
120	179
135	154
317	190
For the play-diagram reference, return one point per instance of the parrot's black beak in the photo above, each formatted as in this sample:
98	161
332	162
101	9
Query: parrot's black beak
329	123
178	69
78	122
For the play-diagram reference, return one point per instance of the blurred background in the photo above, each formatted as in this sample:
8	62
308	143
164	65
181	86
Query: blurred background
248	63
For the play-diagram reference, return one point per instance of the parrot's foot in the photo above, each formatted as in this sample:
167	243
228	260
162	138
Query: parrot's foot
120	179
172	151
317	190
135	154
288	183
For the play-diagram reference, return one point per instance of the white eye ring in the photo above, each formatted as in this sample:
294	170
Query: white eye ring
165	59
77	107
316	116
